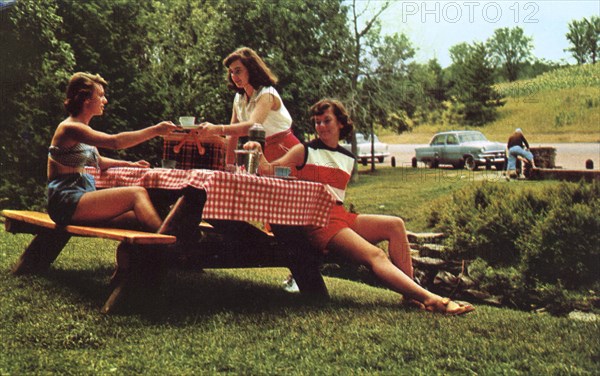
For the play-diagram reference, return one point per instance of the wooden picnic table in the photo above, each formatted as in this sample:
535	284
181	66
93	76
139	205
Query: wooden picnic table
189	198
229	201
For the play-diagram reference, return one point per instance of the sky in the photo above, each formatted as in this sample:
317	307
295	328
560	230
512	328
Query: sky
435	26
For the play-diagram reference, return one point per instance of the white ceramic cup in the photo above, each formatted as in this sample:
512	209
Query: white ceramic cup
187	121
282	171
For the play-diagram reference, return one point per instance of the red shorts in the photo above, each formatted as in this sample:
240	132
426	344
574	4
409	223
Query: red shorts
340	219
279	144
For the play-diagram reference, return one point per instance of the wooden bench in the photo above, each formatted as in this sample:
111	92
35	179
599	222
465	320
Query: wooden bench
142	256
50	239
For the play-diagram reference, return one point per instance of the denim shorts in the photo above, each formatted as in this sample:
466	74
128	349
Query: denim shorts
64	193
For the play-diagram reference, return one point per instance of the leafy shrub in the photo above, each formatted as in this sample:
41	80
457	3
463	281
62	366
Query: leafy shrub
486	221
507	282
565	245
530	246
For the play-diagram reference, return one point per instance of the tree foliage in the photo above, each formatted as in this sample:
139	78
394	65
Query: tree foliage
584	37
36	59
510	48
475	100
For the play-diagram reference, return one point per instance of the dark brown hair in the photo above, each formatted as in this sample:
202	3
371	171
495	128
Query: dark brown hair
258	72
80	88
339	111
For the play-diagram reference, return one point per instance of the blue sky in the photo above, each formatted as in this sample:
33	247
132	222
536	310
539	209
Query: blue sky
435	26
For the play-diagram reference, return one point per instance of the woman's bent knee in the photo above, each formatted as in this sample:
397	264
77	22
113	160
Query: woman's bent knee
140	193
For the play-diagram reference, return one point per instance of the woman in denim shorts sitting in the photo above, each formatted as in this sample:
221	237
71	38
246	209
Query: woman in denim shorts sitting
72	195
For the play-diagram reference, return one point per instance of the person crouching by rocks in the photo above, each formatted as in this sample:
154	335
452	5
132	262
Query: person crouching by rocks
516	147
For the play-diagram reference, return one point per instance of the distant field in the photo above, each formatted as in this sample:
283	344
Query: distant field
558	106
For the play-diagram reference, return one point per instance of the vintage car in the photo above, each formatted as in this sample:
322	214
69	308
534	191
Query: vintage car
363	148
460	149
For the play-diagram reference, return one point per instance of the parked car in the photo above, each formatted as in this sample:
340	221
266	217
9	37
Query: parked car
462	149
363	148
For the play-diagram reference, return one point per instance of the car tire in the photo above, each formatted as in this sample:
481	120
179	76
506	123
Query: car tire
380	159
433	164
459	165
363	161
499	166
470	164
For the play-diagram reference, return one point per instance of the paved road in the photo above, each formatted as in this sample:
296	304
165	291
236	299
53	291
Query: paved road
568	156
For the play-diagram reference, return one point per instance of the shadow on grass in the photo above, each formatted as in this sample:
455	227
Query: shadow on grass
185	294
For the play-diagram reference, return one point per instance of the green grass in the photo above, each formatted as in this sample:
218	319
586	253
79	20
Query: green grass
242	322
558	106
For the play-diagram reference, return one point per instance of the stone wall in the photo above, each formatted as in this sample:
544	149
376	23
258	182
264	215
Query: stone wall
544	157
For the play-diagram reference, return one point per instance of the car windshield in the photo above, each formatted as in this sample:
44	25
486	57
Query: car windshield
471	137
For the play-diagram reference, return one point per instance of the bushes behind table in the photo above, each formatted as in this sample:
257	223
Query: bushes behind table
530	245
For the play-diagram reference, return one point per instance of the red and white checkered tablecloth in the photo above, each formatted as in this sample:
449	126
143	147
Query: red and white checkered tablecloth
234	196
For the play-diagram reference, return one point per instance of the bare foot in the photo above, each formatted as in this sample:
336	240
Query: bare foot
413	303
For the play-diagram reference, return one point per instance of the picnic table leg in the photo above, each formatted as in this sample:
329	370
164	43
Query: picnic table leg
305	261
309	279
185	215
41	252
139	269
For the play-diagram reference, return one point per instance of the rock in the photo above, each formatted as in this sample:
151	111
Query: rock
446	278
484	296
428	262
423	237
466	282
584	316
432	250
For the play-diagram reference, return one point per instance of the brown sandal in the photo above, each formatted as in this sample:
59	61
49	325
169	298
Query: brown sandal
459	310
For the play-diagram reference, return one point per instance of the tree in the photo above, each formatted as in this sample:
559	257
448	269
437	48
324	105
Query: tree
577	37
584	37
35	63
510	48
592	37
476	99
364	36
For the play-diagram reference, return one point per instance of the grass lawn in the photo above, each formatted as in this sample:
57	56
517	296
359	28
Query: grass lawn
243	322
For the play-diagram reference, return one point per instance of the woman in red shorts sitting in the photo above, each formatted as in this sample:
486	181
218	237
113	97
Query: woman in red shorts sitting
354	235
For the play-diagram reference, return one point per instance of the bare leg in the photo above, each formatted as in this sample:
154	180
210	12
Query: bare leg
108	204
377	228
350	244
